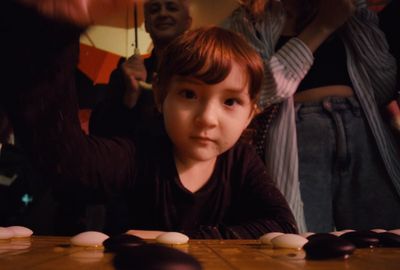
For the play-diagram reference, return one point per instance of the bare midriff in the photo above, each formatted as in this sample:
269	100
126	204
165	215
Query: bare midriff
320	93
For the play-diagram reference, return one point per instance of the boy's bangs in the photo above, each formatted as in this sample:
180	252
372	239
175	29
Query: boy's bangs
205	59
207	54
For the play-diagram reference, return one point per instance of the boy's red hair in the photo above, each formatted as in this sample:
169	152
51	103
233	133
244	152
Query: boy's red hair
207	54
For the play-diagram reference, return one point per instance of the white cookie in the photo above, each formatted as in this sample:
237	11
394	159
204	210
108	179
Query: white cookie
306	234
6	233
339	233
378	230
172	238
20	231
266	238
395	231
289	240
89	239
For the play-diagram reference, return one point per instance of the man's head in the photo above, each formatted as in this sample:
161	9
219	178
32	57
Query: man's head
166	19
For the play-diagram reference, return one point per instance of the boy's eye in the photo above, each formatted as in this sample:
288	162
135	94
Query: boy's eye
188	94
231	101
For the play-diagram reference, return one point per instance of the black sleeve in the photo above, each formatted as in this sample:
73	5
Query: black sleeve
262	207
40	99
257	206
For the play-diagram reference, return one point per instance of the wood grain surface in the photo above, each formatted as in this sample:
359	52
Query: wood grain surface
45	252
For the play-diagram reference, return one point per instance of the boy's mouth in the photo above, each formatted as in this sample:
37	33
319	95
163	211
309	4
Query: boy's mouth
203	139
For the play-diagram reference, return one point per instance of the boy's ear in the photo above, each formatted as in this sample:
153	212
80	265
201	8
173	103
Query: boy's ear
255	110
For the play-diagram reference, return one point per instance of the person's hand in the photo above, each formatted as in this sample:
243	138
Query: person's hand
256	8
395	123
334	13
134	72
331	15
144	234
393	109
81	12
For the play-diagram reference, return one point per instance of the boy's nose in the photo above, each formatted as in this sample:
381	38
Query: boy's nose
207	116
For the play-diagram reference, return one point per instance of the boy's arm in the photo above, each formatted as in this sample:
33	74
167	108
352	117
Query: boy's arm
41	101
260	206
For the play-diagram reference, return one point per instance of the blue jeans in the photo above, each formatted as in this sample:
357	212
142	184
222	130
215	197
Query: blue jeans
343	181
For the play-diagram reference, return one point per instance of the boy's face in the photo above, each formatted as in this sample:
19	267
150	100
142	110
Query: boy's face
205	120
166	19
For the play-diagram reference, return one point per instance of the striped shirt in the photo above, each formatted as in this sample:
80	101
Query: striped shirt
372	71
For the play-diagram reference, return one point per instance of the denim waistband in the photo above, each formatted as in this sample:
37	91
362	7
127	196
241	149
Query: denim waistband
329	104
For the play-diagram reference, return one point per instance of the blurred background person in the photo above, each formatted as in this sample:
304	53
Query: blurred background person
330	71
389	20
128	108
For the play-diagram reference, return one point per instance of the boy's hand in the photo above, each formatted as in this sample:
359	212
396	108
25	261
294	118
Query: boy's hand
80	12
134	72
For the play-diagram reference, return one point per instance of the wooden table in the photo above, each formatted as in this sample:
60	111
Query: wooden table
44	252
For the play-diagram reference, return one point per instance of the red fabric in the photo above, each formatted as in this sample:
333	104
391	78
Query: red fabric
97	64
84	116
377	5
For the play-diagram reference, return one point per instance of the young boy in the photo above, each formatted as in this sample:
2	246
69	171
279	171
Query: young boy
198	178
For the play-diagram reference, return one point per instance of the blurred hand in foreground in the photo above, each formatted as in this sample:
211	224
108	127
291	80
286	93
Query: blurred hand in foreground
80	12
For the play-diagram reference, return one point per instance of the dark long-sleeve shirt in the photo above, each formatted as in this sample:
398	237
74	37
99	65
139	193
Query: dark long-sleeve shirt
238	201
